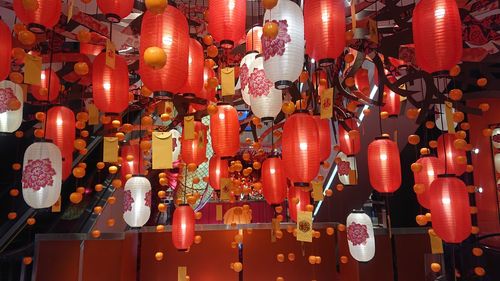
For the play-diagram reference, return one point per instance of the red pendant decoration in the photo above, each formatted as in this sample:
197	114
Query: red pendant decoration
226	21
195	150
45	15
42	92
273	181
298	199
115	10
225	131
384	165
325	138
61	131
110	86
5	50
431	168
194	82
453	159
254	42
349	144
183	227
218	169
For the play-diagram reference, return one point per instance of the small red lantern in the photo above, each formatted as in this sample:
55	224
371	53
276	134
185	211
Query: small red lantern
183	227
349	144
195	150
298	199
384	165
226	21
115	10
273	180
130	154
206	93
42	92
194	82
46	15
225	131
454	160
392	102
5	50
110	86
325	138
60	130
254	42
431	168
218	169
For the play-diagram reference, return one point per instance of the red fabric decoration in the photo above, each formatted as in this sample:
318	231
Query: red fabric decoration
325	138
61	131
384	165
195	150
273	181
431	168
350	146
437	33
110	86
183	227
450	209
55	86
217	169
46	16
324	26
5	50
196	63
304	200
449	155
392	101
254	42
226	21
115	10
225	131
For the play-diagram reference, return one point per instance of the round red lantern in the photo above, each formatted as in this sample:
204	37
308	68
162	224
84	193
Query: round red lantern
431	168
298	199
195	150
226	21
454	160
225	131
46	15
254	42
60	122
170	32
450	209
115	10
392	102
325	137
273	180
218	168
183	227
349	144
5	50
384	165
48	80
301	153
324	26
110	86
437	34
196	63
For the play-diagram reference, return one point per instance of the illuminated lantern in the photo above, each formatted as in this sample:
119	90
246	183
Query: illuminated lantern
195	150
115	10
218	169
45	16
347	169
10	119
301	153
207	93
137	201
350	145
170	32
298	199
437	34
325	138
110	86
324	24
226	21
392	102
384	165
360	236
130	166
440	117
60	124
5	50
225	131
254	42
283	55
246	68
495	137
265	100
450	209
183	227
41	92
450	156
42	170
273	180
194	82
431	168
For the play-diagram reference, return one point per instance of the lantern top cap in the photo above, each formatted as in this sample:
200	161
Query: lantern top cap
358	211
447	176
183	204
301	111
252	52
382	138
138	176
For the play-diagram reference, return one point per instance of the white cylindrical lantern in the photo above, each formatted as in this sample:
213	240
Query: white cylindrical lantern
246	68
497	162
176	145
284	54
42	175
10	120
440	117
266	100
137	201
495	138
360	236
347	169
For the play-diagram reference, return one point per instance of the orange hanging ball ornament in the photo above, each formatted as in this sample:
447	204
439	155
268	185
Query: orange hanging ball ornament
212	51
155	57
81	68
156	6
270	29
26	37
208	39
269	4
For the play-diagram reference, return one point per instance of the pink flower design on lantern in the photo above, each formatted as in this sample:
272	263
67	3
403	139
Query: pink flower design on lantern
127	200
258	84
276	46
496	138
38	174
344	168
6	95
357	233
244	75
147	199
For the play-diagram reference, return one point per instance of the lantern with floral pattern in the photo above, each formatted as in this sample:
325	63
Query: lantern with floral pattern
137	201
360	236
10	118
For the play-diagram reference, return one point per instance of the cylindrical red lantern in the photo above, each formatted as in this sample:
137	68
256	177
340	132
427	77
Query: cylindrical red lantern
115	10
450	209
225	131
196	63
218	168
298	199
349	144
301	153
45	16
325	137
60	122
130	154
5	50
110	86
437	34
324	26
206	93
254	42
384	165
42	92
183	227
454	160
431	168
195	150
273	180
170	32
392	101
226	21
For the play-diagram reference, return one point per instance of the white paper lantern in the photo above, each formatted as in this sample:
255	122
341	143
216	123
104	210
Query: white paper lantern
497	162
176	145
10	120
137	201
347	169
42	175
284	55
360	236
440	117
266	100
495	138
246	68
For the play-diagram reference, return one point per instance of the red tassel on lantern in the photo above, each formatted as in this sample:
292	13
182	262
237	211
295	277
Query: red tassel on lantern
41	92
273	181
183	227
115	10
45	16
431	168
110	86
384	165
225	131
350	145
194	82
218	169
453	159
450	209
303	197
5	50
254	42
325	138
61	131
194	151
226	21
437	33
324	26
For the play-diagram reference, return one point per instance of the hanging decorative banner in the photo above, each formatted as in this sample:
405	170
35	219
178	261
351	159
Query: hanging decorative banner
304	226
218	212
449	117
225	188
353	14
436	244
110	150
227	81
181	273
110	54
56	208
93	114
275	226
327	104
162	150
71	4
32	70
317	192
188	130
373	29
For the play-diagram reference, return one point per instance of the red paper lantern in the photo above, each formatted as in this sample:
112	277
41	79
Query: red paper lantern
350	145
5	50
170	32
194	82
431	168
450	156
225	131
392	101
130	166
384	165
60	130
41	92
195	150
254	42
183	227
226	21
273	180
45	16
437	33
206	93
325	138
301	153
304	199
450	209
218	169
115	10
110	86
324	26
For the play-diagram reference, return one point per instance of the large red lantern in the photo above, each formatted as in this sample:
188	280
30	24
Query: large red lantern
450	209
110	86
254	42
170	32
453	159
61	131
48	80
324	26
226	21
301	153
218	169
46	15
431	168
384	165
437	33
325	137
196	63
349	144
195	150
225	131
115	10
298	199
183	227
273	180
392	102
5	50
